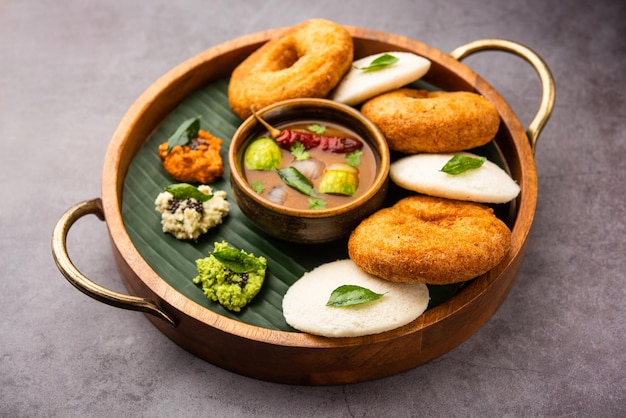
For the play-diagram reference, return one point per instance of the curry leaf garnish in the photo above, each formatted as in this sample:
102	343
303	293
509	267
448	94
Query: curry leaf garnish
185	132
354	158
316	128
379	63
299	151
296	180
350	295
317	203
462	163
184	191
257	186
236	260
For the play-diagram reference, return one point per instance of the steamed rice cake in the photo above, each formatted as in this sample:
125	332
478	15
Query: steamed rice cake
304	304
422	173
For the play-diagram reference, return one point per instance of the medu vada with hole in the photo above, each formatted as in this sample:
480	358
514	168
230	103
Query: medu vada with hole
431	240
416	121
306	60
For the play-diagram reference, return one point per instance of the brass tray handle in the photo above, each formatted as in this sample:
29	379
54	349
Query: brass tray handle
81	282
545	75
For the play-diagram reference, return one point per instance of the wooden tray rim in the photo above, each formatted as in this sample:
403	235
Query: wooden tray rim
181	78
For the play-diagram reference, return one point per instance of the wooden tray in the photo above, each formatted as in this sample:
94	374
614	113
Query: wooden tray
268	349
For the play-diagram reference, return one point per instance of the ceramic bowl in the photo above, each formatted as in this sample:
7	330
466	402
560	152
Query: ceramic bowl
304	225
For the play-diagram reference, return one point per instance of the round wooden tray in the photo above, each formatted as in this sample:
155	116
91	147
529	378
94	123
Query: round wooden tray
293	357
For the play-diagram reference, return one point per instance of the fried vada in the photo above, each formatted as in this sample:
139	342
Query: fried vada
307	60
423	239
421	121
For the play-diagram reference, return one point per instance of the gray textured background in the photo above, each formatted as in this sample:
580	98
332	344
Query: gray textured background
69	70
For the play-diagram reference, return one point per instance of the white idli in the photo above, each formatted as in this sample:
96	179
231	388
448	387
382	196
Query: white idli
358	85
422	173
304	304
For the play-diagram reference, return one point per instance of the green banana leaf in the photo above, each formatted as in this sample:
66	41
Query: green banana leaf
174	260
